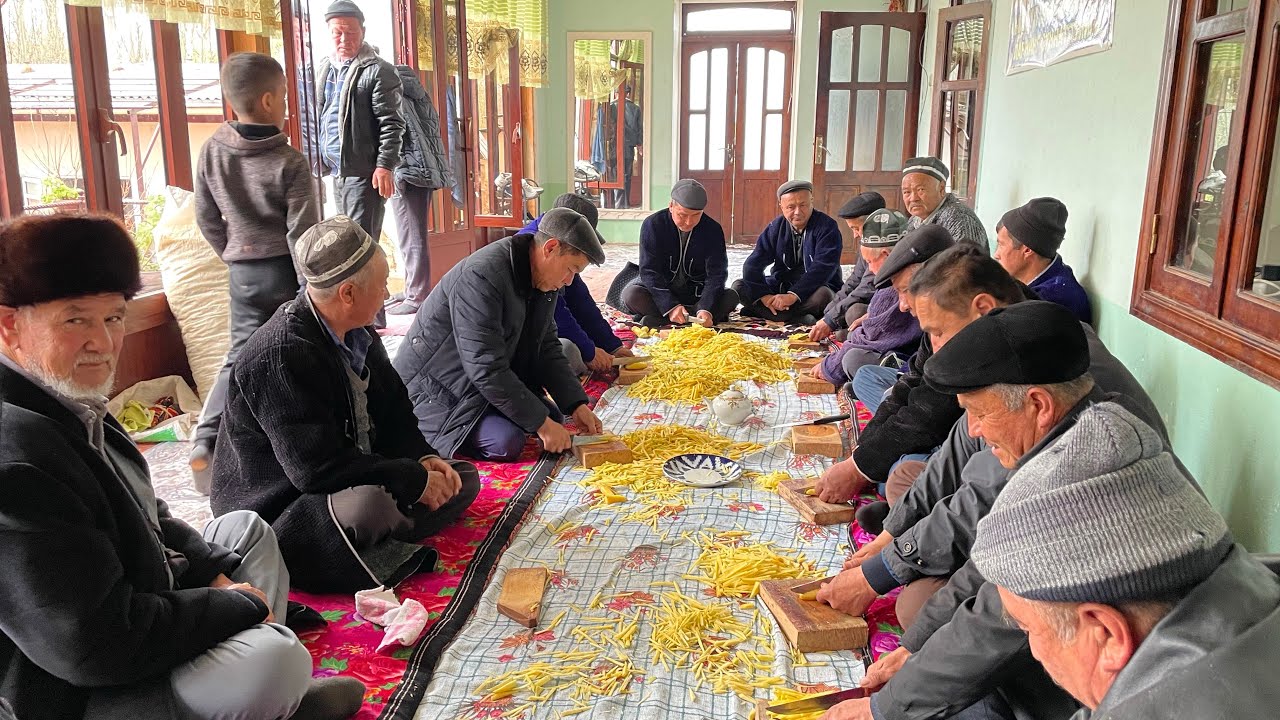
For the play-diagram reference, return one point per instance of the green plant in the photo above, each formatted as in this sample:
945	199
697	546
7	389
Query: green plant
144	233
54	189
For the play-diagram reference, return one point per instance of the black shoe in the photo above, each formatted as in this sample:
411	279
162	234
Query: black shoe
871	517
201	462
301	618
652	321
849	395
398	297
331	698
403	308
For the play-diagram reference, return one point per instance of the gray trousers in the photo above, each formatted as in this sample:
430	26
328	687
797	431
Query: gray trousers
358	199
411	205
257	674
368	514
574	355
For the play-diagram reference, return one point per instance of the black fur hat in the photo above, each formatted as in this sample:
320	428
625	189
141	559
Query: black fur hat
51	257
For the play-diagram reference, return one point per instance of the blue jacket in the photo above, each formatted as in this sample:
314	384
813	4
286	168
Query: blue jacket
706	265
1058	284
820	255
578	317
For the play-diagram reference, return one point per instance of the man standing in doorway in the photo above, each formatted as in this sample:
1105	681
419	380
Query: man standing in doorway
360	124
632	140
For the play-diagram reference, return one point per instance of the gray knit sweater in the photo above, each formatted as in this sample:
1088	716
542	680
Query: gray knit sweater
254	198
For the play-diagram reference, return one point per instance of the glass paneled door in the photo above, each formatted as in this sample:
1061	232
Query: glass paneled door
868	100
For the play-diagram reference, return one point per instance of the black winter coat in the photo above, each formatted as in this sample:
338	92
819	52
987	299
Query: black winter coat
288	441
370	123
486	338
86	604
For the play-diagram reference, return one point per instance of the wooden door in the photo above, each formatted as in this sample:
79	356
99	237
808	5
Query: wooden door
762	145
707	127
736	127
868	105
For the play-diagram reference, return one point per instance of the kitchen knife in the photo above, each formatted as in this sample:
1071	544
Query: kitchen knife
817	702
803	588
592	439
620	361
820	421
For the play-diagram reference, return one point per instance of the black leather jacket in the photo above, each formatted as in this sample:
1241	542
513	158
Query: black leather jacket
371	127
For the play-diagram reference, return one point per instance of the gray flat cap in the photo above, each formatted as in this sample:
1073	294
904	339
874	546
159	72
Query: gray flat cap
689	194
333	250
581	205
344	8
791	186
569	227
916	246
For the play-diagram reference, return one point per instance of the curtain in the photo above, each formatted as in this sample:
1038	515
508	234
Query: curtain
597	72
492	26
256	17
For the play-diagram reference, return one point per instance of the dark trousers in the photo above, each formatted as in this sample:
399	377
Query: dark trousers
640	301
359	200
258	288
368	514
411	205
812	305
497	439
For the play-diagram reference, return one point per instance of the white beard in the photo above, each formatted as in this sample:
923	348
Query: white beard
69	388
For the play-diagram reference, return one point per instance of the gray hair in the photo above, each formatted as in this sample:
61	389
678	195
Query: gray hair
1066	393
1143	615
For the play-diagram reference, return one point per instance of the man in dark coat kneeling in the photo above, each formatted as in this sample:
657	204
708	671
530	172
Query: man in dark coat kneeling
483	353
319	436
111	607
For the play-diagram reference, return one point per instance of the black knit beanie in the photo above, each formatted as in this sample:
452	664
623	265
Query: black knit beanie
1040	225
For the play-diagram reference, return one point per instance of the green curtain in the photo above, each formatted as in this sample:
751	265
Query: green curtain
256	17
492	26
597	71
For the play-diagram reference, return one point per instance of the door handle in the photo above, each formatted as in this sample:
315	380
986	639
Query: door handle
819	150
108	127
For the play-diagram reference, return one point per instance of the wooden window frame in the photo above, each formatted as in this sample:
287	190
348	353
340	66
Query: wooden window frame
1217	315
947	17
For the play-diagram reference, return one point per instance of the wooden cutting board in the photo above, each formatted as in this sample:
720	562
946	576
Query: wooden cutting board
521	596
810	507
614	451
804	365
811	385
808	625
817	440
631	377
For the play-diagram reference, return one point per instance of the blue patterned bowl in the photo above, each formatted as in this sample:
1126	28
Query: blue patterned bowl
701	470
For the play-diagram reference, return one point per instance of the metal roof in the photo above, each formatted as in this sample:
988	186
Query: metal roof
35	88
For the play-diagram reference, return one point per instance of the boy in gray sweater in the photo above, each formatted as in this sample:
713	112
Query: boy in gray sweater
254	199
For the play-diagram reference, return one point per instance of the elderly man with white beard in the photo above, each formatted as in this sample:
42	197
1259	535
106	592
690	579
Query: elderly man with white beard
111	607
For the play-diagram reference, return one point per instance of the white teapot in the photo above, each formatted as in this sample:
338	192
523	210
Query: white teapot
732	407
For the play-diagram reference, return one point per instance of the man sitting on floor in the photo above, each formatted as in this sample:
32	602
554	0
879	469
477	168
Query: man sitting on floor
912	419
1132	592
585	336
924	193
482	352
887	328
319	436
850	304
1027	242
683	264
801	249
111	606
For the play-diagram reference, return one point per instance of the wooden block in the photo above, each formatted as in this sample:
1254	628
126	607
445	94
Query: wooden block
817	440
810	507
614	451
630	377
803	345
804	365
808	625
521	596
811	385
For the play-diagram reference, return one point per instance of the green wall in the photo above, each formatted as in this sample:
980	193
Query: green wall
659	17
1081	131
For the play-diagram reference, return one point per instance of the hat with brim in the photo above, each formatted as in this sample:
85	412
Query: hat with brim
915	247
572	229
